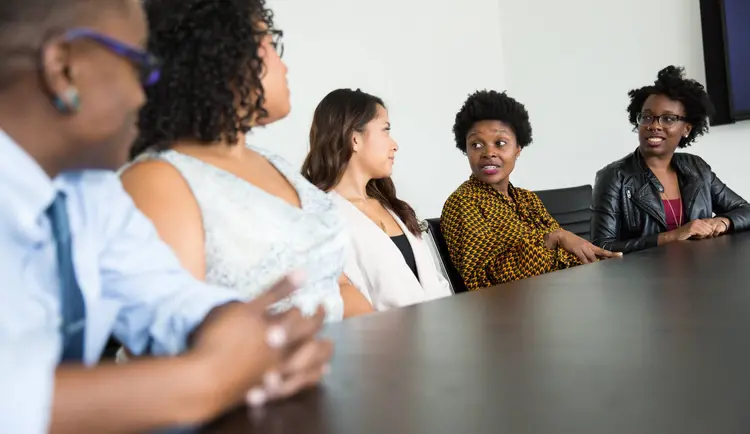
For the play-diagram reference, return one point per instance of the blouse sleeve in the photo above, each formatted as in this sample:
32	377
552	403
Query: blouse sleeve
549	222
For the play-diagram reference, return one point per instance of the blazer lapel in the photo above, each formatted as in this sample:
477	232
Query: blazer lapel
418	257
430	279
364	223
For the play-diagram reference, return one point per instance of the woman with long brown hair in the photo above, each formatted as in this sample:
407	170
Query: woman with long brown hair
352	155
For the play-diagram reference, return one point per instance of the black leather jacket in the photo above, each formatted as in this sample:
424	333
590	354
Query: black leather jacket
627	214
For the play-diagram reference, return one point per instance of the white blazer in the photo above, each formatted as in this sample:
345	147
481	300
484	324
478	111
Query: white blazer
377	267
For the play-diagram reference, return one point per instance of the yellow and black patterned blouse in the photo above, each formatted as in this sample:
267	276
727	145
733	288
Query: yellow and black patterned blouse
493	239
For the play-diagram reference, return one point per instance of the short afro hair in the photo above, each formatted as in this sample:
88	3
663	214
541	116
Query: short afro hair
671	82
490	105
209	51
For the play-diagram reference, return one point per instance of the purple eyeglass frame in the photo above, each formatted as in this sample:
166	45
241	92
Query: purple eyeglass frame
148	64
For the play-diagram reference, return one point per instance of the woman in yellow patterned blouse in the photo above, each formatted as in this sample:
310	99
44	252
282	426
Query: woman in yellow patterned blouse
496	232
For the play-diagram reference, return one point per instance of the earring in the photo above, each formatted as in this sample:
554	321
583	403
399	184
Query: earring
70	102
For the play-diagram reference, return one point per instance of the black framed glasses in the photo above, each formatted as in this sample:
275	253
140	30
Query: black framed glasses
148	65
276	41
665	121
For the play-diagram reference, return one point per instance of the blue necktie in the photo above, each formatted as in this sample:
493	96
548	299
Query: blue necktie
71	300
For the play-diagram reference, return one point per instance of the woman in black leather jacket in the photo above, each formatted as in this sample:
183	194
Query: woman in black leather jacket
655	196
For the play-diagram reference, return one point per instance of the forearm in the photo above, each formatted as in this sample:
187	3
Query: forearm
728	204
355	303
552	239
527	261
666	238
628	245
477	275
212	314
141	395
728	224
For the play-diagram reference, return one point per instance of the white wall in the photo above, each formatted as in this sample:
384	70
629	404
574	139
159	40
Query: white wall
412	53
570	62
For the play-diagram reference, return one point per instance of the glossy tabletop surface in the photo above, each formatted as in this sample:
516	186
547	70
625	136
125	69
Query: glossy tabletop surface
655	342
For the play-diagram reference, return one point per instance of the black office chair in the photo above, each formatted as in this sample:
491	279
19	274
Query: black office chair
571	207
453	275
110	349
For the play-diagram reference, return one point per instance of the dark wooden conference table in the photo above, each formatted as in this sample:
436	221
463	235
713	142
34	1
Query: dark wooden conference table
655	342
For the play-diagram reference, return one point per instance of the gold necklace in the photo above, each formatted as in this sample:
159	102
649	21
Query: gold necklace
380	223
674	214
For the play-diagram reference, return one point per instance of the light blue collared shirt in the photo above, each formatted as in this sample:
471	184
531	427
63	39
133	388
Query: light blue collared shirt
132	283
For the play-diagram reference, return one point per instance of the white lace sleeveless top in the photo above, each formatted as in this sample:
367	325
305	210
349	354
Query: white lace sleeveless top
252	238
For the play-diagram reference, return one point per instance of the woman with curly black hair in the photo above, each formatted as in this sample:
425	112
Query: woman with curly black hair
655	196
497	232
235	215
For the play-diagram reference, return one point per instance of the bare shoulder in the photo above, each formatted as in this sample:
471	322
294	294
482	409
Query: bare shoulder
164	196
153	174
156	186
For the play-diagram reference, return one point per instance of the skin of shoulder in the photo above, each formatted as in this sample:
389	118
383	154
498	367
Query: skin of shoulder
162	194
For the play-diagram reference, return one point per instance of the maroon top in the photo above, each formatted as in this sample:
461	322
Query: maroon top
674	214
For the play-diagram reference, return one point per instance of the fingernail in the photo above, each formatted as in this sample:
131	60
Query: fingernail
256	397
276	337
272	381
297	277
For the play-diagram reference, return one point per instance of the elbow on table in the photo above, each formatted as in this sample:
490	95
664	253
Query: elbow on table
355	303
739	218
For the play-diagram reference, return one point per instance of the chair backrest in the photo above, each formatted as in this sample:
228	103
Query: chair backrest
571	207
453	275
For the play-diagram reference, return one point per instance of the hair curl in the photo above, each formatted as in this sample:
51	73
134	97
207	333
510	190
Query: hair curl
209	51
338	116
490	105
671	82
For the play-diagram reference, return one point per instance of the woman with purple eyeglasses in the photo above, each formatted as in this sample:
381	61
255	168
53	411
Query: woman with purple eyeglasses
79	262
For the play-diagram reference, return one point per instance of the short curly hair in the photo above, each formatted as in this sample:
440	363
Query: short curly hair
209	53
671	82
490	105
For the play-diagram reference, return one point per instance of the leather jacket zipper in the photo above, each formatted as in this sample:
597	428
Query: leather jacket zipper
692	201
629	209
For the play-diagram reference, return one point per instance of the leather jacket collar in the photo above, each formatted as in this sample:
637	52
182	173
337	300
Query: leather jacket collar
649	196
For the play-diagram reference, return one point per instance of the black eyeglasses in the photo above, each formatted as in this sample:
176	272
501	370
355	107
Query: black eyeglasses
148	65
665	121
276	42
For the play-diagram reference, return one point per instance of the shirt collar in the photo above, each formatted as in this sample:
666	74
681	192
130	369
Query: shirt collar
490	189
27	190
